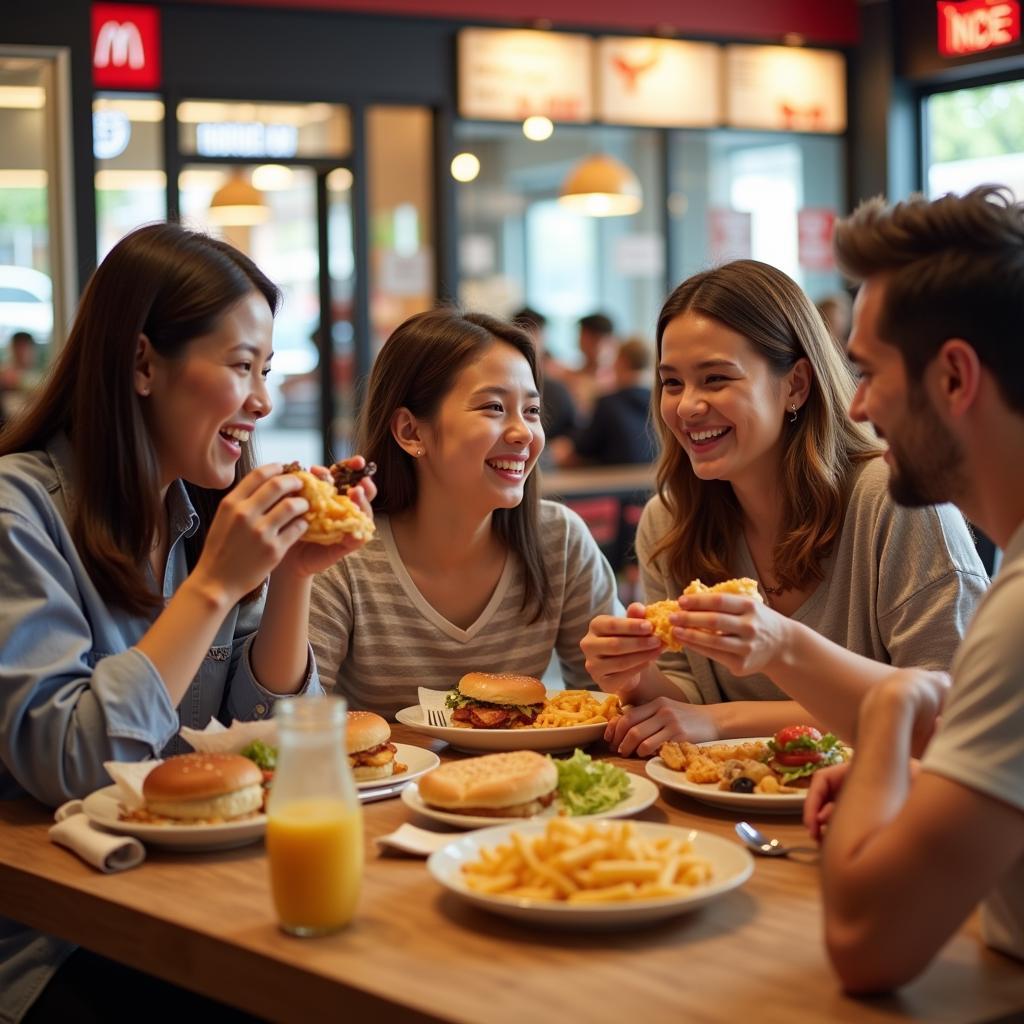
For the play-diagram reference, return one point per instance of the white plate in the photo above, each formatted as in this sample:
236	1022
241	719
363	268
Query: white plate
732	866
709	793
418	761
490	740
102	808
642	794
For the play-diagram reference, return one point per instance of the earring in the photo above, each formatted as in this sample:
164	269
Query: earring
792	413
419	452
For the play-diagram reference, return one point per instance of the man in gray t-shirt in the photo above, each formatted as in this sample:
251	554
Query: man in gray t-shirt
936	336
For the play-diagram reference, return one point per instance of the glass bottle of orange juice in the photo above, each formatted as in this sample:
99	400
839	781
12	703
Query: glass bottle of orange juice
314	822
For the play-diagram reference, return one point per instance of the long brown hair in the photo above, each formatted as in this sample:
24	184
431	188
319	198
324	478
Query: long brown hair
416	369
819	450
172	285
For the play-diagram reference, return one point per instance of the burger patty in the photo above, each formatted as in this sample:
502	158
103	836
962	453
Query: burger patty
482	717
375	756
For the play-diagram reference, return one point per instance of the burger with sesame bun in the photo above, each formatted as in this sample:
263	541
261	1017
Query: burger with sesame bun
370	750
204	787
488	700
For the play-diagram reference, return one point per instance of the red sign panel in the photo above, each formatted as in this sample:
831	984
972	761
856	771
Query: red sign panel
125	46
814	238
973	26
729	234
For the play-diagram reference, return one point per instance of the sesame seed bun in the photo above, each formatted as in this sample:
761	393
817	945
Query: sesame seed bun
365	732
204	786
502	688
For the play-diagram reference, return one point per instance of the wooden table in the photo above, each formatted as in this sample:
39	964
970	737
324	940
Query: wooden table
417	953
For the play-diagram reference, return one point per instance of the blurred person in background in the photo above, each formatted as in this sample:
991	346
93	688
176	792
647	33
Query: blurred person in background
558	412
594	376
619	432
837	310
20	377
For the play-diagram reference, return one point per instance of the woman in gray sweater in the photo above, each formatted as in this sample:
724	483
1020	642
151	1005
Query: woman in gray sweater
763	474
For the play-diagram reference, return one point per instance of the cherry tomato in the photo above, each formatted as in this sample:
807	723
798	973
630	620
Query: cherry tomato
795	732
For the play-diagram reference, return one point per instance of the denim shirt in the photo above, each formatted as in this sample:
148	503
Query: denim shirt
74	691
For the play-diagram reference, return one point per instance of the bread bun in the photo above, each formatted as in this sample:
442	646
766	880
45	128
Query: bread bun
514	784
365	730
502	688
204	786
331	516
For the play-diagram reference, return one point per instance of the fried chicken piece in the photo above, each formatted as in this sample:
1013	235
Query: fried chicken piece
658	612
331	516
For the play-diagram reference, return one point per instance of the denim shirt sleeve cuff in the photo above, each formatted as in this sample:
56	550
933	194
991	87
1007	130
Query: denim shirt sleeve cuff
135	700
248	699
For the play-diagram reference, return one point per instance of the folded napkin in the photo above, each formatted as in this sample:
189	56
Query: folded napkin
434	699
101	849
218	739
419	842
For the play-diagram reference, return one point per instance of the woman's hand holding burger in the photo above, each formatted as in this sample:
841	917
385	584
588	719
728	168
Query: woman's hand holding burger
619	649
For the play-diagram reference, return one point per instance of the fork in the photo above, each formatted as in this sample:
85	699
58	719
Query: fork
435	717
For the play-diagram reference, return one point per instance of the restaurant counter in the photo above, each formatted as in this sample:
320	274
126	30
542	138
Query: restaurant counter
417	953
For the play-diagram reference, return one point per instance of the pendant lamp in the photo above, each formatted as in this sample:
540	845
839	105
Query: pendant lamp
238	203
601	186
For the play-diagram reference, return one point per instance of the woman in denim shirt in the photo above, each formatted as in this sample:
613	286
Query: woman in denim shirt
136	538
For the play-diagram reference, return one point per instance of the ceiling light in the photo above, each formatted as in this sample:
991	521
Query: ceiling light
238	203
601	186
339	180
272	177
465	167
23	97
538	128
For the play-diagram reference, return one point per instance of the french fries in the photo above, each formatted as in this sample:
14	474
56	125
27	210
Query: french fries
577	707
597	862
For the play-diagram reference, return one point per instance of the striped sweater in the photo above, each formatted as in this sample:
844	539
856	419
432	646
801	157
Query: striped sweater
377	639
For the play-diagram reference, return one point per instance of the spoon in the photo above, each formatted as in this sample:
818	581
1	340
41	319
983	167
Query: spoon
760	843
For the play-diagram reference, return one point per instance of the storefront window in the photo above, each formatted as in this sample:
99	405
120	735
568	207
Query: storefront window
974	137
34	224
131	185
212	128
399	156
280	235
518	245
766	196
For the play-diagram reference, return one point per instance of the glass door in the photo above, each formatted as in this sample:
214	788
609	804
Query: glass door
36	242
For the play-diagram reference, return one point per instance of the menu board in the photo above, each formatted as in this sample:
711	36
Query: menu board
785	88
659	82
512	74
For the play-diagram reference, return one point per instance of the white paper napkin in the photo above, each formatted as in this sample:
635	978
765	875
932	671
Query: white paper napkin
100	849
420	842
216	739
434	699
129	776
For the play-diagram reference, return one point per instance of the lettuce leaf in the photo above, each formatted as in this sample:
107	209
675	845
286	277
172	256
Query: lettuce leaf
586	786
262	753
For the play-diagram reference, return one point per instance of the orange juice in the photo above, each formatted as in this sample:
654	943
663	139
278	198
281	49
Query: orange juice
315	849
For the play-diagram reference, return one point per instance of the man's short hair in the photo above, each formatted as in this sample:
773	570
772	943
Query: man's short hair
597	323
22	338
953	268
529	318
636	354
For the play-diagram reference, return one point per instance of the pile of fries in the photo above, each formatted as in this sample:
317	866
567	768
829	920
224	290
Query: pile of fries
577	707
598	862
